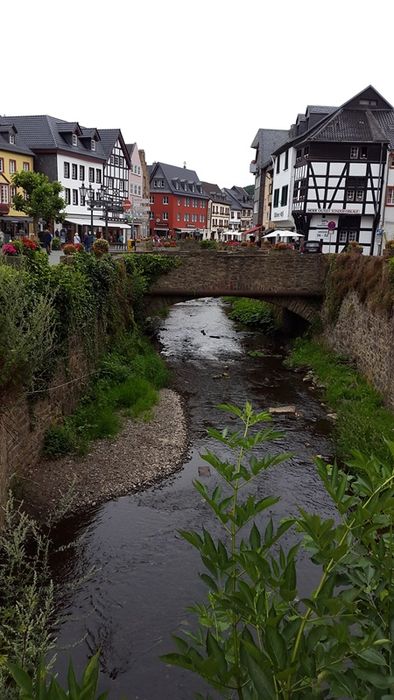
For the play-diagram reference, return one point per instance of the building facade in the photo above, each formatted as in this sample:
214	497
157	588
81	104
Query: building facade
15	156
178	205
264	143
70	154
218	212
116	184
138	215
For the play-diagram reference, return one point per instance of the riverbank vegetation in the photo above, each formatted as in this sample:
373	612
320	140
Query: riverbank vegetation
126	383
252	313
257	636
363	423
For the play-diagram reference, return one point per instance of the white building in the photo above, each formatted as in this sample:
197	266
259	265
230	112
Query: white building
139	212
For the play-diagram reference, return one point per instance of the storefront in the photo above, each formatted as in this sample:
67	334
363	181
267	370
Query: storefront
14	226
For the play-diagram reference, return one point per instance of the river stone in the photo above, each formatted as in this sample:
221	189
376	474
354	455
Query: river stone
204	471
282	409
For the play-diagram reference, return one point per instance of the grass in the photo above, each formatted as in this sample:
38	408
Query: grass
251	312
127	383
363	423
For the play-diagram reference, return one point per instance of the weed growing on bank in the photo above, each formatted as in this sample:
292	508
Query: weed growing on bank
252	312
126	383
363	423
257	638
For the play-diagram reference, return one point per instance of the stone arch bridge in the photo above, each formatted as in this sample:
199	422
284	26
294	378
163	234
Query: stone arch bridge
285	278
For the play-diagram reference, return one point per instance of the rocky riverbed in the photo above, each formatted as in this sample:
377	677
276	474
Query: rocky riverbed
141	454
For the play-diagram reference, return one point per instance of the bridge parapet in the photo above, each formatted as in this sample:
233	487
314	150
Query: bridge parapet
255	274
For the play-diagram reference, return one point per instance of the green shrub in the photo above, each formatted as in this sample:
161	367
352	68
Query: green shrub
59	440
56	243
208	245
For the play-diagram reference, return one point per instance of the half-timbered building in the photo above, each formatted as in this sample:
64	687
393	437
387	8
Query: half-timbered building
339	173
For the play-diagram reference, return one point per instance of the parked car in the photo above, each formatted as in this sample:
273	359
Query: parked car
311	247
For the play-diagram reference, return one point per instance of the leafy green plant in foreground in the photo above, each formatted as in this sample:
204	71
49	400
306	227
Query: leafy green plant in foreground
256	638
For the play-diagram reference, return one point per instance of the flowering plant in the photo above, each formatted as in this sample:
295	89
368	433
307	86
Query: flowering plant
18	245
28	244
69	249
9	249
390	244
283	246
79	247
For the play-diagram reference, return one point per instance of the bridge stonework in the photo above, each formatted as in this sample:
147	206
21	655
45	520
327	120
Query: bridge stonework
285	278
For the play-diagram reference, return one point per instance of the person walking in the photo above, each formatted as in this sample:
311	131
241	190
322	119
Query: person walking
77	240
47	240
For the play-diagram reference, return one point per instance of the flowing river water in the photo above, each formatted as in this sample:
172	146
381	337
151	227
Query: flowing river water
144	575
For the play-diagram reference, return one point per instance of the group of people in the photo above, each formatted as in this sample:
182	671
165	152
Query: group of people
62	235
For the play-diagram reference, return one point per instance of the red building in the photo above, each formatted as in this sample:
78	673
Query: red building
178	204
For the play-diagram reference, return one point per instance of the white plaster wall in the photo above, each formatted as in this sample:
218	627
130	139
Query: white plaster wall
284	177
69	183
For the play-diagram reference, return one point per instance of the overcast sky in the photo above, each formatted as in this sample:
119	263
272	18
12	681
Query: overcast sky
192	81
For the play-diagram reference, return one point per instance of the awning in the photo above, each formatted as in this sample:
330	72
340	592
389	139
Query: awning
252	230
86	221
17	219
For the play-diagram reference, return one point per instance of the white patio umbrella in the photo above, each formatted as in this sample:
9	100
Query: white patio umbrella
283	234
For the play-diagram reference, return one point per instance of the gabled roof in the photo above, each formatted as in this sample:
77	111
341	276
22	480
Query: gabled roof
130	147
360	119
266	141
213	191
232	199
174	174
109	137
44	133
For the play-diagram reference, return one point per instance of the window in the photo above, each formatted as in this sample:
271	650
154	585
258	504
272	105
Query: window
152	199
75	197
179	201
283	199
368	103
187	201
12	138
116	160
165	216
111	160
391	160
364	153
12	191
278	164
178	217
151	215
1	165
66	169
135	189
286	160
82	172
12	167
390	196
354	152
74	171
239	214
4	194
98	176
350	195
276	198
306	151
139	190
165	200
299	154
74	140
92	145
359	195
83	199
67	195
91	174
26	167
186	217
202	218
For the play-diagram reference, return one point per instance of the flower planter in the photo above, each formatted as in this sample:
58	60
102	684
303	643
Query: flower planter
13	260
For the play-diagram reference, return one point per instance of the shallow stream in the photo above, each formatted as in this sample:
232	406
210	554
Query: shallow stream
145	574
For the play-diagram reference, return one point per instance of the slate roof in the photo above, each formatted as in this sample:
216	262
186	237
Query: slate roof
350	125
232	200
266	141
213	191
19	146
44	133
174	173
130	148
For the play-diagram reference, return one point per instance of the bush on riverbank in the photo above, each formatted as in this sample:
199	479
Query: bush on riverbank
45	308
363	423
252	312
127	382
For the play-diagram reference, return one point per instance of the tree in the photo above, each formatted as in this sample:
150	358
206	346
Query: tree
40	198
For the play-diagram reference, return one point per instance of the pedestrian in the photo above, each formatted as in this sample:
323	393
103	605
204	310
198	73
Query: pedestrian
77	240
63	236
47	240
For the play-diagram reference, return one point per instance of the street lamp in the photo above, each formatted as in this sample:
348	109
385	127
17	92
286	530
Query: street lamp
89	193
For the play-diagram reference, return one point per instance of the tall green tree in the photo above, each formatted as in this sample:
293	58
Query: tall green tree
39	198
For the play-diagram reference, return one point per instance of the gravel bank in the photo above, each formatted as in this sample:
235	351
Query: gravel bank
141	454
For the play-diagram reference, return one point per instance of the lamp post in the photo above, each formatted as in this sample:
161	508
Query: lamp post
89	193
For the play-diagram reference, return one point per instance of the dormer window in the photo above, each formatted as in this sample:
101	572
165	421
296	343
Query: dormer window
12	138
74	140
92	145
